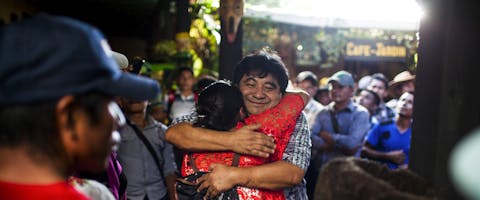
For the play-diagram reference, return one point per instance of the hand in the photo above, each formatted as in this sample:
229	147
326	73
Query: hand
220	179
350	152
314	153
329	142
247	141
396	156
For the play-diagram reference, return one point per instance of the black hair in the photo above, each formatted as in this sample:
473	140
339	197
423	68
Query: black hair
35	125
203	82
218	106
319	92
380	77
184	68
137	64
261	64
376	98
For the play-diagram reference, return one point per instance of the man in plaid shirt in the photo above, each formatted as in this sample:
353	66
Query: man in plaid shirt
262	79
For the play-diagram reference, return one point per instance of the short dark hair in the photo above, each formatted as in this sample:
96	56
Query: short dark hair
137	64
262	63
218	106
376	98
183	68
34	124
380	77
203	83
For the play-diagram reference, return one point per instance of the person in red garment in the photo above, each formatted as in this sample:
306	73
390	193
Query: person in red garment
58	81
262	79
219	108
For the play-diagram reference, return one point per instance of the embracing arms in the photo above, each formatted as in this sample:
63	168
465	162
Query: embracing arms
244	140
285	173
273	176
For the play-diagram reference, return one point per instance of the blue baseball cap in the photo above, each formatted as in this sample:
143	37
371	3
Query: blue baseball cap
343	78
47	57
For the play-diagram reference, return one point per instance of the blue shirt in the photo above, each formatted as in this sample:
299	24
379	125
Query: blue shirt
143	176
387	137
353	124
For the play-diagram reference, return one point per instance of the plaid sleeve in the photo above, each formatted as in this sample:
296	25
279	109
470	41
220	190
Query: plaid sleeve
298	149
191	118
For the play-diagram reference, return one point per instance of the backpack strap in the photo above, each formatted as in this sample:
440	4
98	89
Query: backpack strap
149	146
334	121
195	96
170	99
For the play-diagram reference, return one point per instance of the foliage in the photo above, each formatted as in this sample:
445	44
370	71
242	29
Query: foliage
316	46
204	39
205	33
164	51
201	52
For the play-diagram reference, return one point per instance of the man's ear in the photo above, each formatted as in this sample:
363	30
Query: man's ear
243	113
64	114
352	91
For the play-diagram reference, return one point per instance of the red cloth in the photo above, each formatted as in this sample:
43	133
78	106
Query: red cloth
278	122
61	190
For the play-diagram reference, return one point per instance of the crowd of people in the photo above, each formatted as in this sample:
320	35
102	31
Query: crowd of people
80	121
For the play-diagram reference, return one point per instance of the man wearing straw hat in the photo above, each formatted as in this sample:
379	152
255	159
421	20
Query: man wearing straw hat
401	83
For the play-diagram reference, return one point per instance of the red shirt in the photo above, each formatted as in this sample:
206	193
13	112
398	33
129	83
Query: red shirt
61	190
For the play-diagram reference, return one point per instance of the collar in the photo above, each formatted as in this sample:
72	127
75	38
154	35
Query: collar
350	107
191	96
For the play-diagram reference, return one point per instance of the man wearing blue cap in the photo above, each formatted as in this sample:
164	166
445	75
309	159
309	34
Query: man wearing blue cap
341	125
57	114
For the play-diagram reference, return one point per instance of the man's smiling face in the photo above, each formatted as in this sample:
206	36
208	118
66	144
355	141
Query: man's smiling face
259	94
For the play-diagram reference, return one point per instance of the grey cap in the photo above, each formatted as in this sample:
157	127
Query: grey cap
302	76
121	59
344	78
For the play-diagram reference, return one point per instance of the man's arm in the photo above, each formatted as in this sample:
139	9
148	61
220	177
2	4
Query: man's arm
170	181
280	174
243	141
305	96
321	139
273	176
352	140
397	156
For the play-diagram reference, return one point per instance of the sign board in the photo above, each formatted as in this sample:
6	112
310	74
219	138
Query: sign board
371	50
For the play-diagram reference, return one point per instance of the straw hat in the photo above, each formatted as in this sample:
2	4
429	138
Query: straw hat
401	77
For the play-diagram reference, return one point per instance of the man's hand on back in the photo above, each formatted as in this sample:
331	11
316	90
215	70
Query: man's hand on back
247	141
220	179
